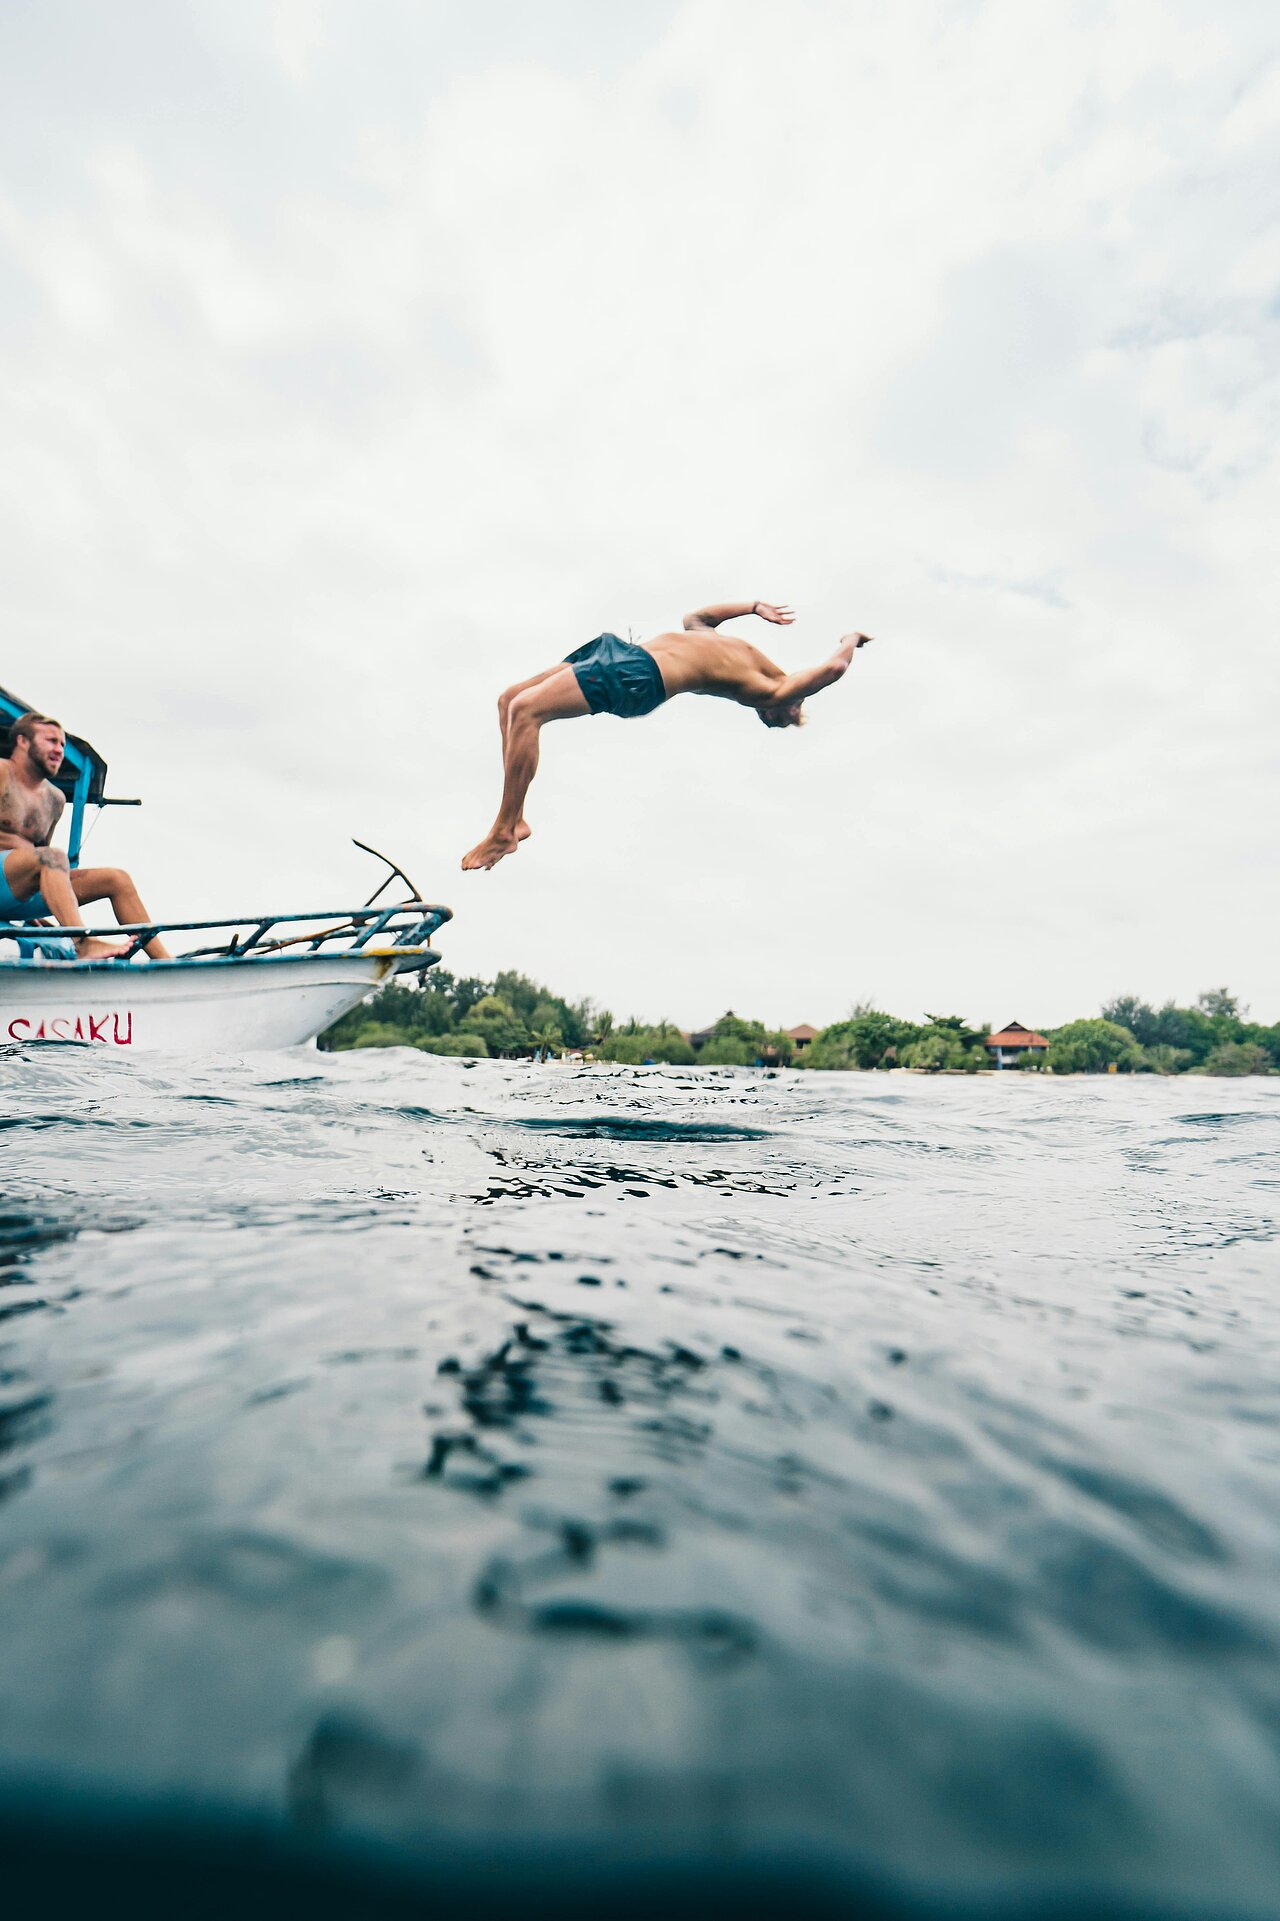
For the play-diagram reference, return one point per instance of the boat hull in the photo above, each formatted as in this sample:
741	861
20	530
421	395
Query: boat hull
186	1007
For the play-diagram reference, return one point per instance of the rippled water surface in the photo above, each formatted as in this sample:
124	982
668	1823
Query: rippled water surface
868	1471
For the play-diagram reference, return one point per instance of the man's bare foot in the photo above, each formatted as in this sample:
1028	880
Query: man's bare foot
90	948
523	830
490	851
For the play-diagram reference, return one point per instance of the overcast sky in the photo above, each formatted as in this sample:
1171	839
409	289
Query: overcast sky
357	359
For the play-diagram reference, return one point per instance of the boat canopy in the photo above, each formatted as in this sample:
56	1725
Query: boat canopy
82	776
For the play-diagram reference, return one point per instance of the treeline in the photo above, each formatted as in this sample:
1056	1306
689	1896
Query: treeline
1129	1036
513	1016
508	1016
1213	1037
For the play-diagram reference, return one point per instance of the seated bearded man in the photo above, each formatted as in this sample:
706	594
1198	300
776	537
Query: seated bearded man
36	879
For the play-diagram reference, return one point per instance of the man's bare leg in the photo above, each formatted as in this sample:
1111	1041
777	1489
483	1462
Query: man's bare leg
46	871
554	696
523	829
112	883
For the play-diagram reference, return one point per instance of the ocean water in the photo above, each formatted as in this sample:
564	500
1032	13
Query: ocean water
460	1486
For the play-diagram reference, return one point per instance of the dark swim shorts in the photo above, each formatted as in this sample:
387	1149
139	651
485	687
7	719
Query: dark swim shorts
618	677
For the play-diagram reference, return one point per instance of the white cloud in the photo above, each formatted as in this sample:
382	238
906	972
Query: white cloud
299	33
955	323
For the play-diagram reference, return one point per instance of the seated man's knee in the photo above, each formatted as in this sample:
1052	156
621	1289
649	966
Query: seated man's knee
52	860
522	709
23	871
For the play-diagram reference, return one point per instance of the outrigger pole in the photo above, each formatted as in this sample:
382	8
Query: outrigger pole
298	940
396	872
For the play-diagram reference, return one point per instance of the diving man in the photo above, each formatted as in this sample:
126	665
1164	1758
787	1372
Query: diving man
37	879
612	676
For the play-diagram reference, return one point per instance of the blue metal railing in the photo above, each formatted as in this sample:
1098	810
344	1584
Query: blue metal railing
401	933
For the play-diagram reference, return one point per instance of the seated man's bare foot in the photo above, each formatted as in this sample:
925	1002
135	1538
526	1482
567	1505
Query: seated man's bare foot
88	947
523	830
490	851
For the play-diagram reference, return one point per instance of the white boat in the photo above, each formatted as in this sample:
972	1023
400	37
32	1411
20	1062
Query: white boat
263	988
272	980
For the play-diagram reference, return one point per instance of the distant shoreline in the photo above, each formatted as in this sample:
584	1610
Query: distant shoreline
513	1017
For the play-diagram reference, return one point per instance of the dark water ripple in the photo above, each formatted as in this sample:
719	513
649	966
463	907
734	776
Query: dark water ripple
773	1476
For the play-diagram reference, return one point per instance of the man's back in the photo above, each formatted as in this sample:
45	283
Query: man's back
702	661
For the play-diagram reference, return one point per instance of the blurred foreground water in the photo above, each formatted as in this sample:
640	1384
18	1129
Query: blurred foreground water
433	1487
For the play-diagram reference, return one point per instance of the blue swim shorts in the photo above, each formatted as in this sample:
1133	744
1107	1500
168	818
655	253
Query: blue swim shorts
618	677
11	908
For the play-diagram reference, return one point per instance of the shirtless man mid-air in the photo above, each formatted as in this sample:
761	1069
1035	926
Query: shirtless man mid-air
36	879
612	676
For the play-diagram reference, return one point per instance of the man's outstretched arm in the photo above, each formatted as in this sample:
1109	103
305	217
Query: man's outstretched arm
707	617
812	680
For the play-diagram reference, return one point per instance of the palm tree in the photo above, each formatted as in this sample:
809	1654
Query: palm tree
547	1040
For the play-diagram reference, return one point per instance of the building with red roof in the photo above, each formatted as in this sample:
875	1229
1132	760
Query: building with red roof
1013	1043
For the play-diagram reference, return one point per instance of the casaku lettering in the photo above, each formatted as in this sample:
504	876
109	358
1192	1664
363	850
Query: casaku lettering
86	1027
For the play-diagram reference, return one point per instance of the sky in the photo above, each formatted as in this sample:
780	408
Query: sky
359	359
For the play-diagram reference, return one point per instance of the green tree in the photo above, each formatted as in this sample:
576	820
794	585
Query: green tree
461	1044
1236	1057
731	1027
937	1049
496	1022
1220	1004
1090	1047
868	1039
548	1039
1141	1019
537	1007
1267	1037
1189	1029
947	1042
662	1043
520	994
960	1030
380	1034
728	1050
580	1021
463	995
733	1042
1160	1059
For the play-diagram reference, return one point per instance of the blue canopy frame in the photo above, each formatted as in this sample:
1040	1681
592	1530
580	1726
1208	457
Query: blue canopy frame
82	776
